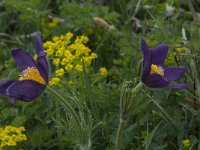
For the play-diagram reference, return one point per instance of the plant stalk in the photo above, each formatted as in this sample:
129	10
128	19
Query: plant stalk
123	114
120	129
59	129
69	107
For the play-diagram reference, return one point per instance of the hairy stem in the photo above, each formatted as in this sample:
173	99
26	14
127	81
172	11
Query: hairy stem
120	129
69	107
59	129
124	107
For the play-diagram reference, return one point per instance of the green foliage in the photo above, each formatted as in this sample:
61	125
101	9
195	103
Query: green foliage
157	119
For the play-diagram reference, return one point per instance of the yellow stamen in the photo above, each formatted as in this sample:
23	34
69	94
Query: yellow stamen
157	70
32	73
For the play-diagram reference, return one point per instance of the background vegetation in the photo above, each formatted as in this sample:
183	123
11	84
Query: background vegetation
160	119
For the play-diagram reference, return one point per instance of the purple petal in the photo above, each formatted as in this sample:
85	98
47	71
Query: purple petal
39	46
43	64
159	54
174	73
43	67
146	57
179	86
23	59
4	85
25	90
154	81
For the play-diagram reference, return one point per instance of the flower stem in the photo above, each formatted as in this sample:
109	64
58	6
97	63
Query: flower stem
69	107
59	129
120	129
137	87
124	107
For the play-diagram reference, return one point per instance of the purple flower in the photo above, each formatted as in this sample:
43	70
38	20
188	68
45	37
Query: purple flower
34	75
153	74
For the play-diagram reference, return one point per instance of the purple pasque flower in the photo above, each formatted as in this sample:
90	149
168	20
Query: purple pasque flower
153	74
34	74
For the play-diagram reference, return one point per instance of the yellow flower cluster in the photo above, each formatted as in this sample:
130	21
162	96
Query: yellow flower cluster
54	23
11	135
171	55
54	81
180	49
103	72
69	53
186	143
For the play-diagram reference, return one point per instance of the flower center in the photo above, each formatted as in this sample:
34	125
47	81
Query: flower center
32	73
157	70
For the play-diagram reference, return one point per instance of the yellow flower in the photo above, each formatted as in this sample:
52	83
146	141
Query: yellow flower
54	23
69	67
11	143
81	39
24	137
11	135
181	49
87	60
22	128
186	143
70	58
79	67
59	53
170	58
49	52
84	39
56	62
54	81
47	45
103	72
93	55
60	72
35	57
56	39
64	61
69	54
68	36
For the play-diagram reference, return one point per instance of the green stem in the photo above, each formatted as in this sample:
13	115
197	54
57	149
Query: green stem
69	107
120	129
123	116
137	87
59	130
88	89
194	15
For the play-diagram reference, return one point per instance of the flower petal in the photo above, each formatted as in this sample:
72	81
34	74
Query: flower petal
43	64
146	57
44	69
179	86
38	46
174	73
4	85
155	81
159	54
23	59
25	90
